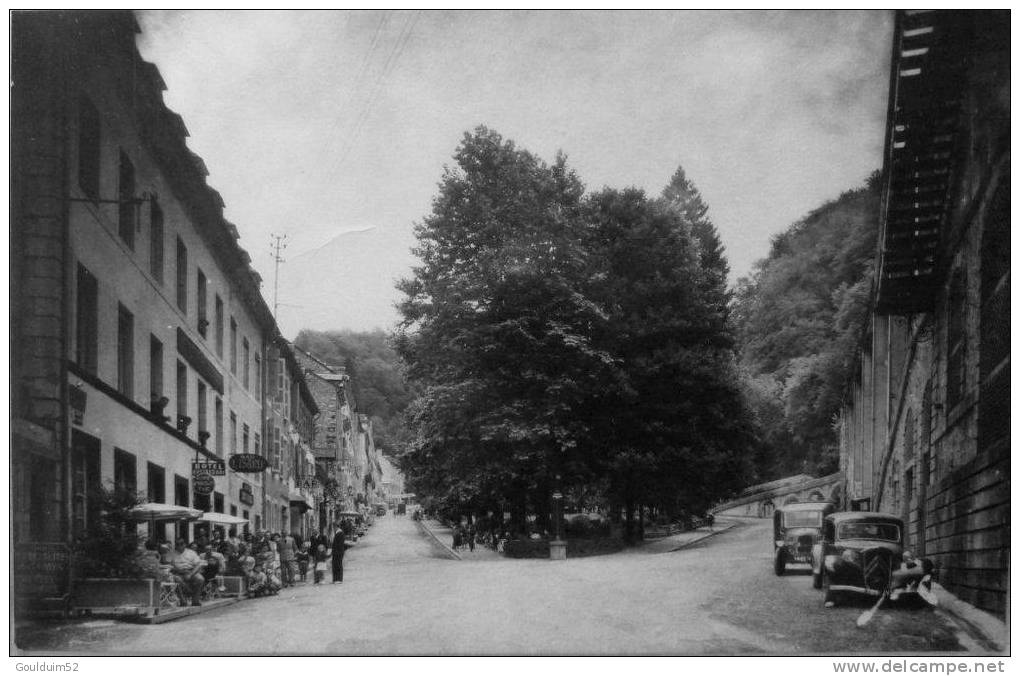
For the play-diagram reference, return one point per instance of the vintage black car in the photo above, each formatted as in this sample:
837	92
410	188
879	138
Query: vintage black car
795	530
862	553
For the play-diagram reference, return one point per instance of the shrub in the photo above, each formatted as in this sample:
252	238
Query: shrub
112	548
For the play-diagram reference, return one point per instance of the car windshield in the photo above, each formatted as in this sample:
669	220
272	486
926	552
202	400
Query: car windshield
869	530
802	519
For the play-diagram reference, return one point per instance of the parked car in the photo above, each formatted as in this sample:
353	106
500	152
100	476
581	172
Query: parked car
862	553
796	528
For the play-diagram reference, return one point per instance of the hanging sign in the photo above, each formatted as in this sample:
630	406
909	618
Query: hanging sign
203	484
248	462
245	495
213	467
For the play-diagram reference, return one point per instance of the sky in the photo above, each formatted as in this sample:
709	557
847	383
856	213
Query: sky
313	123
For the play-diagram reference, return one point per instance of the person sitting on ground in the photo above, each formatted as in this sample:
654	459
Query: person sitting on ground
186	565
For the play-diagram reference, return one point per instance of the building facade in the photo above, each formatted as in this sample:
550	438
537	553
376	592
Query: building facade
925	421
140	338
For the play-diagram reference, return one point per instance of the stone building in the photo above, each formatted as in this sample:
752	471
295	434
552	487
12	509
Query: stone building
140	337
333	447
925	421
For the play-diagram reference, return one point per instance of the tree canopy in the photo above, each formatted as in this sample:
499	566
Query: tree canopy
799	316
558	339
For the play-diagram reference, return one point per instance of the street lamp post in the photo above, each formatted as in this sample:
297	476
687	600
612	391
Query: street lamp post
558	546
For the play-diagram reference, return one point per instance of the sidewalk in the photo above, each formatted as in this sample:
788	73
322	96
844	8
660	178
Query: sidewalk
988	631
671	543
444	536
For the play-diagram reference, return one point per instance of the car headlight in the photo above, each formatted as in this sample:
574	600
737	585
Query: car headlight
851	556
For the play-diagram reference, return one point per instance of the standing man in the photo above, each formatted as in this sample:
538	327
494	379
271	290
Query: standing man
288	559
339	545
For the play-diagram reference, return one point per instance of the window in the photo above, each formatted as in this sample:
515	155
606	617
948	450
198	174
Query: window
244	438
219	427
956	341
157	484
218	502
88	148
245	360
125	351
203	417
203	320
257	449
86	482
233	432
279	380
87	321
219	326
126	201
156	241
182	276
233	510
233	346
181	491
276	447
258	374
182	391
125	476
155	368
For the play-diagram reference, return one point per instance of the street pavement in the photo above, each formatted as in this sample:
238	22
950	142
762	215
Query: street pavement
716	596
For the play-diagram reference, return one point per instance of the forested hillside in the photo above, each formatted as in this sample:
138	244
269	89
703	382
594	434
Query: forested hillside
378	387
798	317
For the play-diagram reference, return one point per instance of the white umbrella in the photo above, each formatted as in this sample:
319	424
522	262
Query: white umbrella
158	511
227	519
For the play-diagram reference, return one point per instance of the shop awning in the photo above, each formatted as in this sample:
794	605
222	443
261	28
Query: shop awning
299	501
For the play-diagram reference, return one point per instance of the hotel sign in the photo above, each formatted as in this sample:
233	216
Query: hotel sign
213	467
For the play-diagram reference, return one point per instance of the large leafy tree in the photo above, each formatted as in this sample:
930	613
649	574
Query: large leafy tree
551	334
677	425
496	331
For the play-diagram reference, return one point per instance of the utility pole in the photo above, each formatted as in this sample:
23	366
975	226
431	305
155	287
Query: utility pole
278	244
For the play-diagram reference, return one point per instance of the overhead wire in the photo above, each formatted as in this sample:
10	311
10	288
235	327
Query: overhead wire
389	65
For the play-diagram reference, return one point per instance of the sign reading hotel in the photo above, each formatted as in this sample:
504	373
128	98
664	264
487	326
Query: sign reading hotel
213	467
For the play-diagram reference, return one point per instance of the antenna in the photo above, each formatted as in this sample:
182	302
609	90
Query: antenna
276	246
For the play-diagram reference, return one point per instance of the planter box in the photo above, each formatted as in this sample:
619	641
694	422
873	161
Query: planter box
143	596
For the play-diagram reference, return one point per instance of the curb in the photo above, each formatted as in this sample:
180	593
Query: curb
989	631
706	536
445	549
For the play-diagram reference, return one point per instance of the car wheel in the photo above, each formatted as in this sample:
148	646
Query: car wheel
780	561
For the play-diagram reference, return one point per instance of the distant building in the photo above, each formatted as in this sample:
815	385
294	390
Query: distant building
924	427
333	447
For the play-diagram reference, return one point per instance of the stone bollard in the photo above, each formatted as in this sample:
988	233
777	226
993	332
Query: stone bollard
557	550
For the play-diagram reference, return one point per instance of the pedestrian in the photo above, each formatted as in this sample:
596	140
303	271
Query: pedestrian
338	556
288	559
302	557
457	537
319	573
471	535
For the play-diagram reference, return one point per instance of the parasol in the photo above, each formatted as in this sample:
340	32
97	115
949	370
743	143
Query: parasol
226	519
158	511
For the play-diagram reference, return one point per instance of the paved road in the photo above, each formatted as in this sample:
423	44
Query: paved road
716	597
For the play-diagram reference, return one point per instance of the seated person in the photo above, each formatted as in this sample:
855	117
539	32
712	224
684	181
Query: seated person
215	563
186	565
